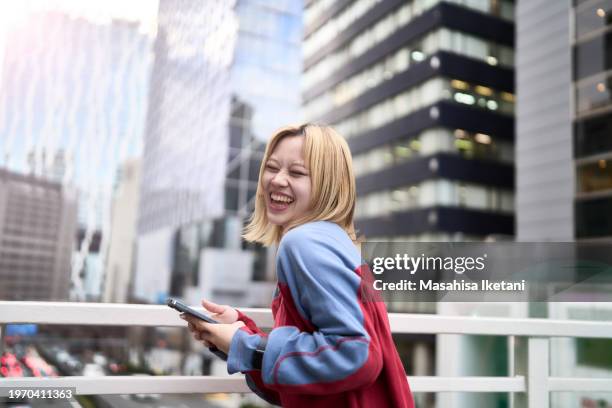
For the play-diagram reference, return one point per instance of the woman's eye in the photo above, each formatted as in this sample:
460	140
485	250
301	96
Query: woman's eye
271	168
297	173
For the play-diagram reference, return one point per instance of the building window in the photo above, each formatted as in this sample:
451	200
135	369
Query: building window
593	93
593	218
399	61
595	176
469	145
592	136
592	18
593	56
426	94
432	193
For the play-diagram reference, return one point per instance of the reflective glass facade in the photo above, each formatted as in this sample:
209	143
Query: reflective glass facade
265	83
186	138
266	69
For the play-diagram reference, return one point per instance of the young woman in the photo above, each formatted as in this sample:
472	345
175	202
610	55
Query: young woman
331	346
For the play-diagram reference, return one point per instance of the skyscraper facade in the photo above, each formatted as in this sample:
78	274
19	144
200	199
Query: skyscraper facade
38	220
424	92
265	82
254	93
563	157
186	139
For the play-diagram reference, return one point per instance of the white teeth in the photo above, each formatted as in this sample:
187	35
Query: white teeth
281	198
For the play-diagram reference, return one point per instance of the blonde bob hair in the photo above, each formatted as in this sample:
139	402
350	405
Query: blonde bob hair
328	159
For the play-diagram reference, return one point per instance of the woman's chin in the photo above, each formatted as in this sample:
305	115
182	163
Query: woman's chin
275	219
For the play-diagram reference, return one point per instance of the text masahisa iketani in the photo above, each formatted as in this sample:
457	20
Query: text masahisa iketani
454	285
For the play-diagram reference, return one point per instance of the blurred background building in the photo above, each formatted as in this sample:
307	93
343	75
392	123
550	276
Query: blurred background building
186	137
191	251
424	91
119	263
563	157
37	223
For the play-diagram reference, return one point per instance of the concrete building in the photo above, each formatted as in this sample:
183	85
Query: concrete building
563	157
38	221
124	215
424	92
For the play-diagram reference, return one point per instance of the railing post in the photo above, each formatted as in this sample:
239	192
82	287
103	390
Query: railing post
538	366
511	366
2	332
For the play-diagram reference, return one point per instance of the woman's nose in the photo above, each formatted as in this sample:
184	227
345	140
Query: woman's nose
280	179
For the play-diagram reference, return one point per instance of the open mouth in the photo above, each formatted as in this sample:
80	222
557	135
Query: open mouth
279	202
280	198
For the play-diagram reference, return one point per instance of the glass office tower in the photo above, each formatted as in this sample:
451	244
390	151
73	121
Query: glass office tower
254	91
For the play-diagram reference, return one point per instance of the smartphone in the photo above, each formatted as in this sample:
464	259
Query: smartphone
183	308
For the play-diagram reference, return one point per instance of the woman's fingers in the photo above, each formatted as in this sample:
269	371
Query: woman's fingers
199	336
198	324
198	331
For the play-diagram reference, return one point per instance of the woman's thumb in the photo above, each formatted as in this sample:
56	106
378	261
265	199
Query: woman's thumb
212	307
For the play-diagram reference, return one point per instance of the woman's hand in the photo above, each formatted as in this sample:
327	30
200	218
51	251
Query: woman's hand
218	335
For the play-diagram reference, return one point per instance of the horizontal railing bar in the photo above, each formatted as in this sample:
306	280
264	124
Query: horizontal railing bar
411	323
236	384
468	384
561	384
104	314
133	385
109	314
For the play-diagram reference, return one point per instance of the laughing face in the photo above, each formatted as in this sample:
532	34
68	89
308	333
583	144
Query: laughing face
286	182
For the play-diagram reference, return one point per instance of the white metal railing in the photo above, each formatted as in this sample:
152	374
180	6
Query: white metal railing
537	384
